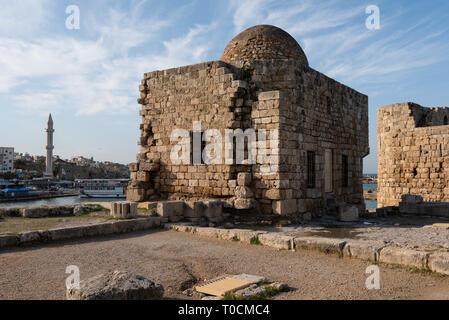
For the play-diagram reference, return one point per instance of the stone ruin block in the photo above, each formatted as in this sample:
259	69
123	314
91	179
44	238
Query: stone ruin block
244	179
135	194
149	166
193	209
411	199
133	167
124	209
243	192
173	210
285	207
245	204
213	208
348	213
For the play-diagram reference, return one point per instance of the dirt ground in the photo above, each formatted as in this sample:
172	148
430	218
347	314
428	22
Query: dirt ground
179	260
20	224
17	225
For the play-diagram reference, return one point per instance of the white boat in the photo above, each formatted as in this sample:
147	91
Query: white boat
102	188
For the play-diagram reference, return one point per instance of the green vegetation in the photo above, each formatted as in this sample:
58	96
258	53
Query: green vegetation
424	270
324	250
235	238
255	241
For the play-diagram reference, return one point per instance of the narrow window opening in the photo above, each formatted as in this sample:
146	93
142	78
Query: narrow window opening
310	169
345	168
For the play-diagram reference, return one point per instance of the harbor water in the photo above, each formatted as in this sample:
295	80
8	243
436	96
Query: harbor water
75	200
55	201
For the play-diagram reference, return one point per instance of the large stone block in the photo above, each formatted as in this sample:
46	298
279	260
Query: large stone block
117	285
66	233
193	209
348	213
278	241
8	240
143	176
133	167
171	209
404	257
124	209
243	192
213	208
135	194
149	166
411	199
439	262
325	245
284	207
364	250
244	204
244	179
29	237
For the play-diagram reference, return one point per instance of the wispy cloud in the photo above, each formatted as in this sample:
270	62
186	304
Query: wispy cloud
336	41
98	74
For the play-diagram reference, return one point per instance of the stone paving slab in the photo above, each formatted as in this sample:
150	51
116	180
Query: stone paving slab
364	250
375	251
439	262
404	257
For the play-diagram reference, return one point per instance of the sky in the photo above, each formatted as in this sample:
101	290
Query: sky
88	78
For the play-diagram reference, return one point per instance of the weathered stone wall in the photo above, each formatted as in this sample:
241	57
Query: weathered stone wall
174	99
300	110
310	111
316	113
413	145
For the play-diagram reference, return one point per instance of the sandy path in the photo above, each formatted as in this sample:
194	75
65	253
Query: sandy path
178	260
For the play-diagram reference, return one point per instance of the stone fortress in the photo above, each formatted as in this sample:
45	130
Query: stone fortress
413	146
264	82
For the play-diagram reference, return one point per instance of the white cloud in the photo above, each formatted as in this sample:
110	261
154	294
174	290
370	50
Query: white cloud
338	44
23	17
100	75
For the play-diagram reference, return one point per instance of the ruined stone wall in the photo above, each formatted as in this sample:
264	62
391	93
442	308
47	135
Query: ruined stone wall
316	113
310	112
413	153
174	99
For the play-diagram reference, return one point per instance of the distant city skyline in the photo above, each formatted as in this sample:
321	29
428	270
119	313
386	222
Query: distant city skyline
88	78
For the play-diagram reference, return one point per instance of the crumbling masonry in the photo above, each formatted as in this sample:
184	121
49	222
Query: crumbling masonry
413	146
263	81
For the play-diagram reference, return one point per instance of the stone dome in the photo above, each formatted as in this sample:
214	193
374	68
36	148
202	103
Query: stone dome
263	42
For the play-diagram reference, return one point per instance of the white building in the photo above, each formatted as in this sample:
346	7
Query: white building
6	159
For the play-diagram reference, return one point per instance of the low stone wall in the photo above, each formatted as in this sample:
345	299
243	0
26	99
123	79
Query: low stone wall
193	211
373	251
102	229
414	205
50	211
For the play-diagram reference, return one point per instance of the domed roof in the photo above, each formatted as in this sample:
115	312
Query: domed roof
263	42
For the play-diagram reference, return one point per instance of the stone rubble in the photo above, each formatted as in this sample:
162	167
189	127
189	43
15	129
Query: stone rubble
117	285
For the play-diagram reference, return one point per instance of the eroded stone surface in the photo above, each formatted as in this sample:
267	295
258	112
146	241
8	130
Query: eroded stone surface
117	285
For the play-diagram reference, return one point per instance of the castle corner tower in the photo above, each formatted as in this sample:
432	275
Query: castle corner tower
50	147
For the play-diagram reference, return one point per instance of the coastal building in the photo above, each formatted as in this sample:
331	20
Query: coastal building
6	159
311	131
50	147
413	145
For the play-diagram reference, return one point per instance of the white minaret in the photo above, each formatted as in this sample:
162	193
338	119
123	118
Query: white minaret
50	147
